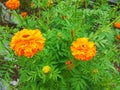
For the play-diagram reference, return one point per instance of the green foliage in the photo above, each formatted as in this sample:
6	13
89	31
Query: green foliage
62	22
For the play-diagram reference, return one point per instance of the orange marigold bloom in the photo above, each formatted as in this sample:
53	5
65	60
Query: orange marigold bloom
69	67
13	4
118	37
69	64
24	14
117	25
82	49
27	42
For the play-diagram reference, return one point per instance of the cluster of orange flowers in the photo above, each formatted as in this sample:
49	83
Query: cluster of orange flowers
82	49
13	4
27	42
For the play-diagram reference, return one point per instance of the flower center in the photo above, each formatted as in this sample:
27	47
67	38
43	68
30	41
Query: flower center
25	36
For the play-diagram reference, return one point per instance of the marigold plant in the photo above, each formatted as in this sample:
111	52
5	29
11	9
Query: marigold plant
76	48
82	49
13	4
27	42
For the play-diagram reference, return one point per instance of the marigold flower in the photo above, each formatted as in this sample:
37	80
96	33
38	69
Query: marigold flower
69	67
13	4
69	64
46	69
82	49
64	17
27	42
24	14
117	25
32	4
95	71
118	37
50	2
